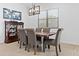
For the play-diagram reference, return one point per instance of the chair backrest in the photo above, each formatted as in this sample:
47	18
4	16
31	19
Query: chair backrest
58	35
47	30
38	29
22	35
31	36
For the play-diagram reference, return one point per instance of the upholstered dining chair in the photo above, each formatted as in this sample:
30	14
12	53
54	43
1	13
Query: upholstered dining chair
46	30
32	41
38	29
37	36
55	42
22	37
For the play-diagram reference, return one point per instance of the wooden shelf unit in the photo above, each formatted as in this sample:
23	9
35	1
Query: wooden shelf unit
11	30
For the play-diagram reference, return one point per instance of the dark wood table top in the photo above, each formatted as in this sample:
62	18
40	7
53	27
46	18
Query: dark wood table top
44	33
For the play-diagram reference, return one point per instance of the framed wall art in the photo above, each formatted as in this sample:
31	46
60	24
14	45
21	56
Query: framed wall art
7	13
11	14
16	15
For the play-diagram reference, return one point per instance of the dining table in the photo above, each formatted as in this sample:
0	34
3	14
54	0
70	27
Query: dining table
42	35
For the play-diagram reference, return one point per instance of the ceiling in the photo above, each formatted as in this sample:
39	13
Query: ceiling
42	5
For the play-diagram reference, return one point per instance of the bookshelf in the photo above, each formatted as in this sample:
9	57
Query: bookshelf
11	30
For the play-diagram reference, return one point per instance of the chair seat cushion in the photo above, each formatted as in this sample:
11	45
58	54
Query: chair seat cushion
50	41
53	36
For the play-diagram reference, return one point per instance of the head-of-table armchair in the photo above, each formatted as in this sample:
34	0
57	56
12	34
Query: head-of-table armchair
55	42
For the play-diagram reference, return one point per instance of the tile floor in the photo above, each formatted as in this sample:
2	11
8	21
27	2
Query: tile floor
13	49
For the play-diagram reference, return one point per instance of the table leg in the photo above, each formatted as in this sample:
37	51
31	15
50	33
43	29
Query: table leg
42	39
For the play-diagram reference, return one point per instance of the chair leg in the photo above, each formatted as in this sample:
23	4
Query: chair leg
56	50
25	46
20	44
35	48
28	48
59	48
18	40
44	46
48	46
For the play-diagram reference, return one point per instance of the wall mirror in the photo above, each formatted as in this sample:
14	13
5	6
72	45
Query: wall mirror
49	18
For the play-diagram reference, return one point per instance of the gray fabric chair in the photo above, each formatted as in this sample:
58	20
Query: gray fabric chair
55	42
32	41
46	30
38	29
22	37
37	36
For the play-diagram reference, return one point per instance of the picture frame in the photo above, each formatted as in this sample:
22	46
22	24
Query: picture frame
16	15
11	14
7	13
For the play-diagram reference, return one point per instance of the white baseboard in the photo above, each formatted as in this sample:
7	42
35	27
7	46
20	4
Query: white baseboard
67	42
1	42
73	43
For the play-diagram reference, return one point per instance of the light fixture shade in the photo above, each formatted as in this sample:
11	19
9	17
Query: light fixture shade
34	10
37	9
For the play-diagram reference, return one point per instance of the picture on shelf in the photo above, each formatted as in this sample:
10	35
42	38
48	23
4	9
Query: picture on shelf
7	13
16	15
